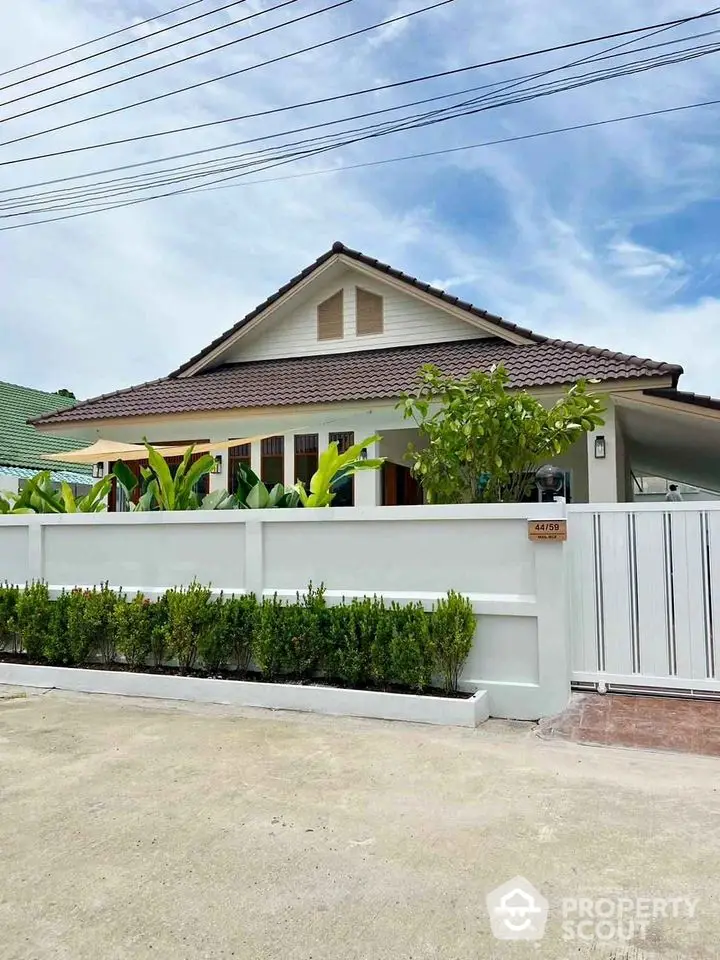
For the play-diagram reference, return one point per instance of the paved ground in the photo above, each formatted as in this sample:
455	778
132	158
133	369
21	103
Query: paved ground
137	829
658	723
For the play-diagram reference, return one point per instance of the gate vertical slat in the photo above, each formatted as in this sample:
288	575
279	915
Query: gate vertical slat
616	580
581	584
651	598
688	574
713	651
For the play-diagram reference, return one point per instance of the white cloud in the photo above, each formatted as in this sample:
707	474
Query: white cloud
100	302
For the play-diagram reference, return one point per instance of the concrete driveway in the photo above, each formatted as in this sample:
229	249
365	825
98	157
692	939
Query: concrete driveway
137	829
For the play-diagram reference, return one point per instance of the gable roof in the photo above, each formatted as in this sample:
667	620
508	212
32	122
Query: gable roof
362	375
21	445
339	249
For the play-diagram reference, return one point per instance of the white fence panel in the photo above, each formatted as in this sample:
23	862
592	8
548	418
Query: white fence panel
647	617
406	554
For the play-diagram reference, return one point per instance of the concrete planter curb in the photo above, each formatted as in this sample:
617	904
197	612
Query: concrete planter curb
239	693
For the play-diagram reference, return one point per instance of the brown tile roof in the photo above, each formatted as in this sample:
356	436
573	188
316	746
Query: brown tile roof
340	248
683	396
364	375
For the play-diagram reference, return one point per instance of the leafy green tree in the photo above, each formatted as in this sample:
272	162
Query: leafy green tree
484	441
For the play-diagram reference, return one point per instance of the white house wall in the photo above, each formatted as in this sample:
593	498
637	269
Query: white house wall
292	331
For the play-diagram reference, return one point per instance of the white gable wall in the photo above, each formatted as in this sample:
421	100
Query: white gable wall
292	331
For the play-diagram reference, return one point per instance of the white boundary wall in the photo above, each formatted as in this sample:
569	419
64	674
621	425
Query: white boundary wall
516	587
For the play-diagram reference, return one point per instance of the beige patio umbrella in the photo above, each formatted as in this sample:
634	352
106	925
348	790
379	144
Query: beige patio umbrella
112	450
100	450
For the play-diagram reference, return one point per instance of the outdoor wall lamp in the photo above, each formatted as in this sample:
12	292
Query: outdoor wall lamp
218	464
98	470
600	448
363	453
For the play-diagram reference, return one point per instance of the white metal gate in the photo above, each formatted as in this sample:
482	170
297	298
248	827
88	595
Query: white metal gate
644	594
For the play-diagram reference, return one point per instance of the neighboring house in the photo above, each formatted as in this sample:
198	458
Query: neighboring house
327	356
22	445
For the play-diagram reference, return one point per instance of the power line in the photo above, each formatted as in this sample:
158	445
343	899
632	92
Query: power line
375	163
150	53
105	36
310	147
596	58
149	179
327	141
172	63
488	63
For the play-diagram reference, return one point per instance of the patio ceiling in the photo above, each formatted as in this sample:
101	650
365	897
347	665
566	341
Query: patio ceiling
673	435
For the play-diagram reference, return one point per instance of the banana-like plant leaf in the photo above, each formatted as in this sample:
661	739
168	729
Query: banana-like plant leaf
333	467
68	498
198	470
165	486
42	495
217	500
125	477
185	463
258	498
93	501
149	497
276	495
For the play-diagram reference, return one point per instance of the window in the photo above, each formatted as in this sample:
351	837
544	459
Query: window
330	318
237	456
272	461
306	457
368	312
345	490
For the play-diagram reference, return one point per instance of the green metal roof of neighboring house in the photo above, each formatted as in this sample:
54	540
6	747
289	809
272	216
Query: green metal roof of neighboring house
21	445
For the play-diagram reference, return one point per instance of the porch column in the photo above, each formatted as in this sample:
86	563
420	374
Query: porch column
255	456
603	471
289	459
368	489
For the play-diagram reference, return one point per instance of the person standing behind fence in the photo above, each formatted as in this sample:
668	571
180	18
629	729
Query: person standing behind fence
673	494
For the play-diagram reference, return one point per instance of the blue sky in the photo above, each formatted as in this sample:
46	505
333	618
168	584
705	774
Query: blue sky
604	236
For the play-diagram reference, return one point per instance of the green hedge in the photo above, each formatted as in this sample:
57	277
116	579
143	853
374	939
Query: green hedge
360	643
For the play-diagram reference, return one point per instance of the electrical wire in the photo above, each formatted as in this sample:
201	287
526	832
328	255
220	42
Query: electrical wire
225	76
152	53
496	62
490	100
376	163
105	36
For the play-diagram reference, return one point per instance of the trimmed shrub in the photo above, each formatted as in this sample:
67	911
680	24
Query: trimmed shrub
240	622
268	649
56	648
81	626
362	643
33	612
189	621
91	621
453	629
133	630
411	651
9	637
354	647
292	637
158	617
229	642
